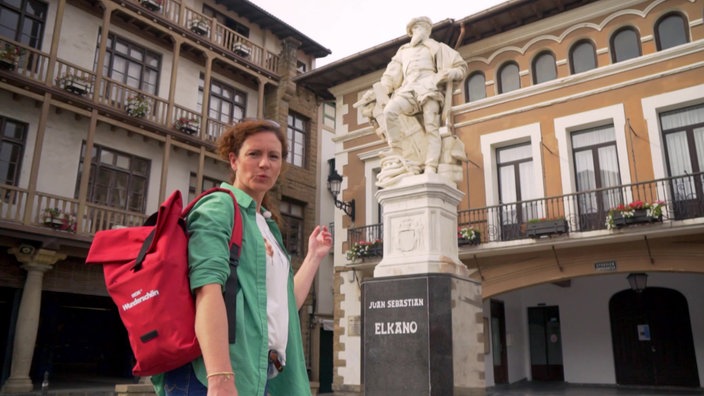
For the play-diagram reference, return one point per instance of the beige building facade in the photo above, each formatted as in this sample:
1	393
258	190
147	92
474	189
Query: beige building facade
106	108
583	127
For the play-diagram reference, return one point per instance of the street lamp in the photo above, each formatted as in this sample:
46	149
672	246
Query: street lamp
334	183
638	281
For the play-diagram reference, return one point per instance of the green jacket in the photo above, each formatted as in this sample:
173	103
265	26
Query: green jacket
210	225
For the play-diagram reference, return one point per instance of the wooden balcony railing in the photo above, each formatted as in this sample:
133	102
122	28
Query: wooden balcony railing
215	33
682	197
15	208
111	94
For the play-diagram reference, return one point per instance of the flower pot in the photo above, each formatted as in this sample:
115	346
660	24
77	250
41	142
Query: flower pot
640	216
200	27
153	5
546	228
76	87
7	64
189	129
241	50
467	242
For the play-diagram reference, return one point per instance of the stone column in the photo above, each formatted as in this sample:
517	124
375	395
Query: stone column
36	263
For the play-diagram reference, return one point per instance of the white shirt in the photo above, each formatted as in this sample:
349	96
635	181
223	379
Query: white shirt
277	271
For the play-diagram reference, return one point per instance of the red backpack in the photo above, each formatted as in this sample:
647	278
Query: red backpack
146	275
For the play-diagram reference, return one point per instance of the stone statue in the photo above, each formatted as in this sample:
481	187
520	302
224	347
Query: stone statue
409	103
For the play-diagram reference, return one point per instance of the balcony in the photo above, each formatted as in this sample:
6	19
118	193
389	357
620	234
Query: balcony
675	200
25	212
82	87
209	30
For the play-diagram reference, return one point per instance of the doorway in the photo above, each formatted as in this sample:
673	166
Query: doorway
545	344
652	339
498	342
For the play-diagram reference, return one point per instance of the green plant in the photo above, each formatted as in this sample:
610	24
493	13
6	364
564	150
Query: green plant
10	52
468	233
652	210
137	106
364	249
546	219
57	218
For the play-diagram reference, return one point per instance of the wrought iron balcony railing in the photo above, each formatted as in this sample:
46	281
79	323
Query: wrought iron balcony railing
681	197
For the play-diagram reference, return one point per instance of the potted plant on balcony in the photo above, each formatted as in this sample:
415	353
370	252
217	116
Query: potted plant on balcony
58	219
241	49
74	83
536	228
362	249
9	54
636	212
154	5
199	25
137	106
467	235
187	125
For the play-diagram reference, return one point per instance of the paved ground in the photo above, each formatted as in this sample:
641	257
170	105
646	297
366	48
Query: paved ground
518	389
562	389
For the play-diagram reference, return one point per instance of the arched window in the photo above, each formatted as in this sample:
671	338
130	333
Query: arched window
509	80
625	44
670	31
544	68
476	87
582	57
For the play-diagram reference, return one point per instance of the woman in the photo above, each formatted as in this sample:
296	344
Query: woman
270	296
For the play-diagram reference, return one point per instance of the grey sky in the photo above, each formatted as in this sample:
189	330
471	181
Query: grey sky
347	27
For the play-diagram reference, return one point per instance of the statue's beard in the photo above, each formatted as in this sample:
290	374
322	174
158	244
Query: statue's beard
418	38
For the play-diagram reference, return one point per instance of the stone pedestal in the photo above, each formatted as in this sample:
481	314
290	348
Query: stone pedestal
420	227
422	335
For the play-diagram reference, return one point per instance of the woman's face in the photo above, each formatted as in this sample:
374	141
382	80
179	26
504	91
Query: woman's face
258	164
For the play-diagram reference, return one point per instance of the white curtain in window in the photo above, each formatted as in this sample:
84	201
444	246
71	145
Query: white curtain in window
531	210
586	180
682	117
680	164
508	193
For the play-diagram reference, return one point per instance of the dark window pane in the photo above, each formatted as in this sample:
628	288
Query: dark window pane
625	45
583	57
544	68
670	32
118	180
509	80
476	87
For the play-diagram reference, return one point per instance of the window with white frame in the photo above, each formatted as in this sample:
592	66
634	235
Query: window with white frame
683	135
516	183
596	169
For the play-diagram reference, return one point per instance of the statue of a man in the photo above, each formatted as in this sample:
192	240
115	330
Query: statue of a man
419	80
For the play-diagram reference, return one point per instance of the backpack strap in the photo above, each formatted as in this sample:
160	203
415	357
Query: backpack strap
232	285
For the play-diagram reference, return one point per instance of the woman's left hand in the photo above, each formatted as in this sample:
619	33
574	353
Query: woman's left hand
320	242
